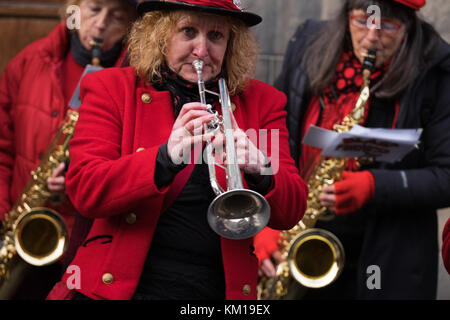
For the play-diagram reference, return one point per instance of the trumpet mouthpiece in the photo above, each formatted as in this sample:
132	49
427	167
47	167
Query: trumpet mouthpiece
198	65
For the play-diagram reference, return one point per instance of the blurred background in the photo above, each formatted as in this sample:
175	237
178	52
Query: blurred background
22	22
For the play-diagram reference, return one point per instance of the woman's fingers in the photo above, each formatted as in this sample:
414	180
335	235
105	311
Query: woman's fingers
327	198
192	106
56	184
195	125
268	269
59	170
181	152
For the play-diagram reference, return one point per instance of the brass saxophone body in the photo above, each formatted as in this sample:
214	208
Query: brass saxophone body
315	257
32	234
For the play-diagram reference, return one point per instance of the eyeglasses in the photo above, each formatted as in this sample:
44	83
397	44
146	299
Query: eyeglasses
363	22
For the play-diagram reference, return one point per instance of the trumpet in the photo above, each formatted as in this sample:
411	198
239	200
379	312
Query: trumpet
235	213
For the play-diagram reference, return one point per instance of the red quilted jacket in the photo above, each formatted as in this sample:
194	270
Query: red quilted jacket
31	110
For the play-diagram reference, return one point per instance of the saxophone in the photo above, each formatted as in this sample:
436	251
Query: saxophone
32	234
315	257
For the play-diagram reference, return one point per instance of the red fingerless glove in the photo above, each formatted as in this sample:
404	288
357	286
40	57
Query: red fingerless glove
353	191
446	246
266	243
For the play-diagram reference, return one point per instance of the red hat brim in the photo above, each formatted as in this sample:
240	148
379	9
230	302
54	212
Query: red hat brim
414	4
250	19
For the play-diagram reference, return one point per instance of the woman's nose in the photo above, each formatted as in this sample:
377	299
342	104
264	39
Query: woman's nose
201	47
100	21
373	34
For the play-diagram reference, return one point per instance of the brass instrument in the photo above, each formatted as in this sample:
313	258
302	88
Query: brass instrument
31	234
236	213
96	45
315	257
36	234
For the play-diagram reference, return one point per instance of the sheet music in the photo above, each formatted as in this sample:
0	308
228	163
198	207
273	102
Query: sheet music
385	145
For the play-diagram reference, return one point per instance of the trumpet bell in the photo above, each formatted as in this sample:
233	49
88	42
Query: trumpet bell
316	258
40	236
238	214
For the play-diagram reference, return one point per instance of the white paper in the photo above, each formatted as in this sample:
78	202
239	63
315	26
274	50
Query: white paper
319	138
384	145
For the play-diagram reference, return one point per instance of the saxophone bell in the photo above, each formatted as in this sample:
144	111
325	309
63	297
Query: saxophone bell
41	236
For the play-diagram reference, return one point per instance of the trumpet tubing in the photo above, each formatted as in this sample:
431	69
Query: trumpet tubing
235	213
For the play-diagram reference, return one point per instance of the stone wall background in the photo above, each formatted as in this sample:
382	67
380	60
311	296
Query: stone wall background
281	19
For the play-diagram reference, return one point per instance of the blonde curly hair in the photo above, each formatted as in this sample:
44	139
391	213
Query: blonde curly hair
148	44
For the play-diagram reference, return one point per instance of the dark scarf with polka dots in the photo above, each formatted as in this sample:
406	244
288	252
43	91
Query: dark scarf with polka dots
183	91
339	98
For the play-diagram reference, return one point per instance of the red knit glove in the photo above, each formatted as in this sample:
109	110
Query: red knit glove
446	246
353	191
266	243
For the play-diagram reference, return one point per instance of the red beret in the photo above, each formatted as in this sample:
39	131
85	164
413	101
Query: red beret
415	4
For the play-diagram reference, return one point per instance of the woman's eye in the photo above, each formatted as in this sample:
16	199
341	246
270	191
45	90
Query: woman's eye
361	22
388	26
190	32
215	35
96	9
119	17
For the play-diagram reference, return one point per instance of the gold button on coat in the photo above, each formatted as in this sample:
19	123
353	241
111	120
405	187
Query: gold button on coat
146	98
131	218
140	149
107	278
246	289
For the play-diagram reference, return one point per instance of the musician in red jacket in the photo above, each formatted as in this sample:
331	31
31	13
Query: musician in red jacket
150	238
37	85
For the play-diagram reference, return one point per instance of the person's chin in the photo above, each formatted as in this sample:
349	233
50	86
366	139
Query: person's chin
189	77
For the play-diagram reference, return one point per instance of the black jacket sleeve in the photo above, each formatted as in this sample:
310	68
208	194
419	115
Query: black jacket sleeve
422	180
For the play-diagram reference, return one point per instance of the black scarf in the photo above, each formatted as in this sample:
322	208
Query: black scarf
84	57
183	91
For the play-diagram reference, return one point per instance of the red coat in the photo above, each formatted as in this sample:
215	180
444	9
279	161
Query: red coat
112	179
32	108
446	246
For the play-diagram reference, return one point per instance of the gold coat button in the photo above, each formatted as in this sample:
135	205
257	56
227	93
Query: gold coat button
233	106
107	278
131	218
146	98
246	289
140	149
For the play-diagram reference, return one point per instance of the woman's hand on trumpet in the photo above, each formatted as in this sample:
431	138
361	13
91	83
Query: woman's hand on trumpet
188	131
250	159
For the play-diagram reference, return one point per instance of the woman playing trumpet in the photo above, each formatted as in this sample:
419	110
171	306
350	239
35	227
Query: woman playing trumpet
150	238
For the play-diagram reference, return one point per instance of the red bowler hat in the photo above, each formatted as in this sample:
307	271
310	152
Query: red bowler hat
415	4
220	7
